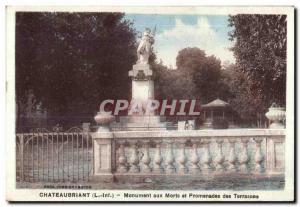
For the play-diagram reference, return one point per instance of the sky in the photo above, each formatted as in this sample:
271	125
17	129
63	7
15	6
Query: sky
175	32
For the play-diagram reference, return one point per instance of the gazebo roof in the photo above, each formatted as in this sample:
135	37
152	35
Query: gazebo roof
216	103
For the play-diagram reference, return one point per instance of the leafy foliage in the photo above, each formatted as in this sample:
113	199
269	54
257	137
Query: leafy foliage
260	51
204	72
71	61
241	98
197	77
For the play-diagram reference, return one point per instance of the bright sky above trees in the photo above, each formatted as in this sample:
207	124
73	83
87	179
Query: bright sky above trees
175	32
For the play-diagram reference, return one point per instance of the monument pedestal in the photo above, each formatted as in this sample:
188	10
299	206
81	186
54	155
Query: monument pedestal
142	83
142	92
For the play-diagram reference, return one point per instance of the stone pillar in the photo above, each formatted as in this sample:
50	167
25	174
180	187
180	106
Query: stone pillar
122	167
244	157
103	156
258	158
219	159
194	169
142	90
182	169
275	155
170	159
142	86
146	157
157	168
206	156
134	158
141	75
232	159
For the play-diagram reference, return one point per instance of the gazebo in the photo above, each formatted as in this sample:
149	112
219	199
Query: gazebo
216	108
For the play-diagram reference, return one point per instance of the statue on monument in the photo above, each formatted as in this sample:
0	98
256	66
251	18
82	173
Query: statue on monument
144	48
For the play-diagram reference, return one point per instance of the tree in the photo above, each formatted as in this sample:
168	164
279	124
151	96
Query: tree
172	84
260	51
72	61
204	72
241	99
189	59
197	77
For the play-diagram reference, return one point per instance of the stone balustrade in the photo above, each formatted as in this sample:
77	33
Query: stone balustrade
188	153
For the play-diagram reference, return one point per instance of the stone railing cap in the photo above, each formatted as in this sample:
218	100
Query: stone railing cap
227	133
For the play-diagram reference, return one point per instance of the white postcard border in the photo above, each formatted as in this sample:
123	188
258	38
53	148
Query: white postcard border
13	194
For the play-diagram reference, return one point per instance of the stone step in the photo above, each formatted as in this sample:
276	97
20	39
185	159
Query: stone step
141	126
142	119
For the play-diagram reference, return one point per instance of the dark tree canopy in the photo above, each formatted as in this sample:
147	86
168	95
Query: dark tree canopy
260	51
72	61
205	74
198	76
172	84
190	58
242	100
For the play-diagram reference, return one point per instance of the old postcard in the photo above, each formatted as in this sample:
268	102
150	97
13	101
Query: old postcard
150	104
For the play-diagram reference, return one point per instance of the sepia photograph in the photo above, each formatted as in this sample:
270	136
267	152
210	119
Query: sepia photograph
150	104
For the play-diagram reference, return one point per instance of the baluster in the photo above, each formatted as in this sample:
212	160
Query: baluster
170	158
158	158
244	156
182	157
219	159
134	159
195	157
146	157
122	168
207	156
258	156
232	156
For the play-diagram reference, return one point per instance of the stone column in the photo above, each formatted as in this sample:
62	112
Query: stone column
232	159
207	156
182	157
122	167
275	162
142	86
134	159
219	159
258	158
170	158
146	158
195	157
103	155
158	158
244	158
